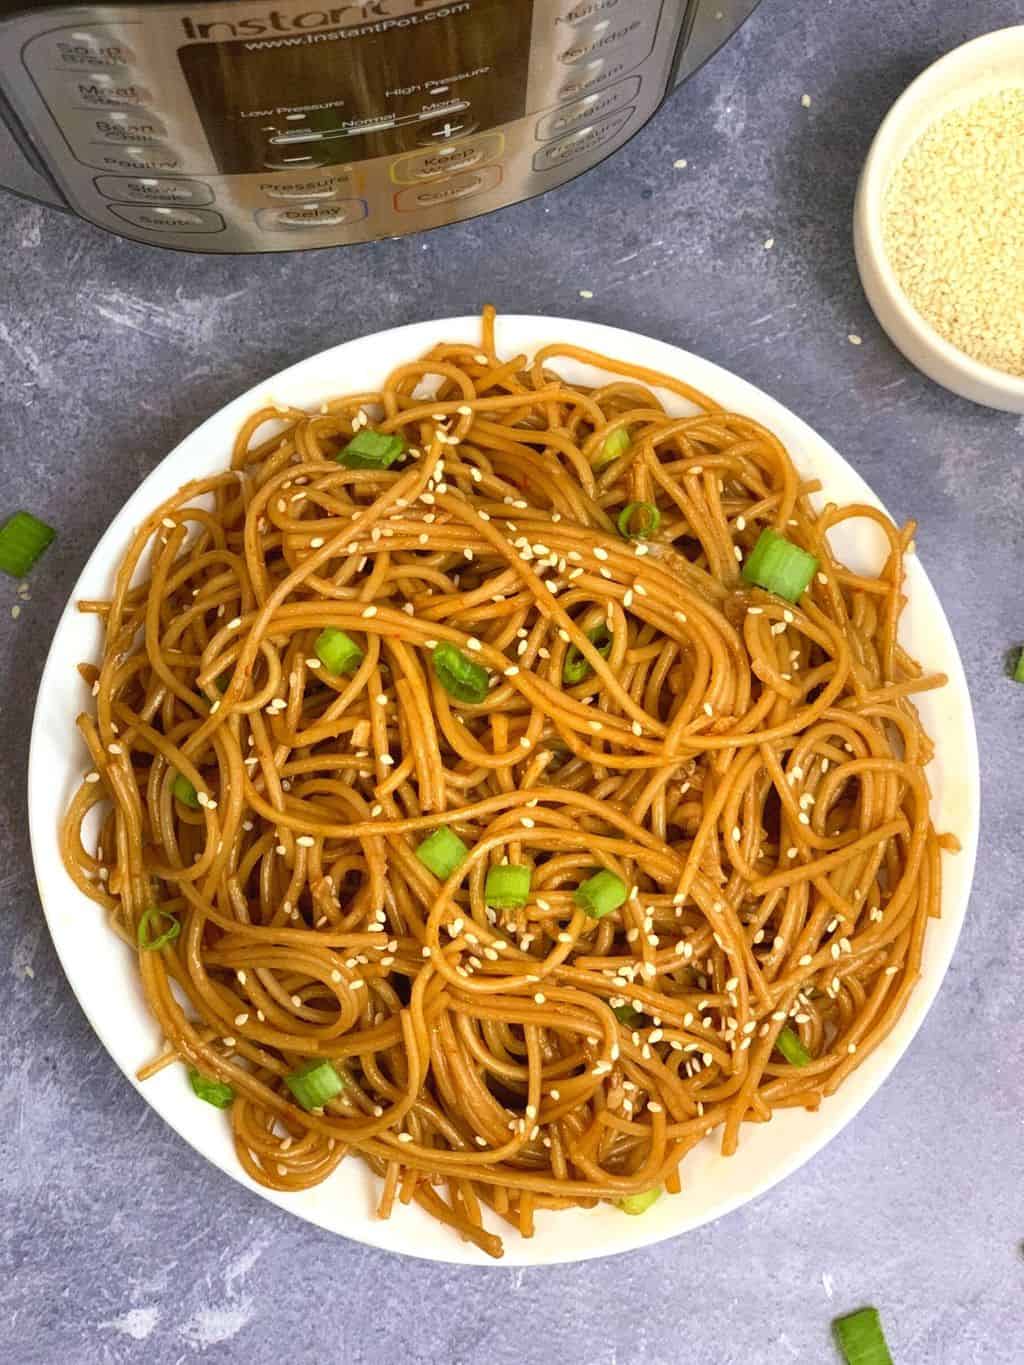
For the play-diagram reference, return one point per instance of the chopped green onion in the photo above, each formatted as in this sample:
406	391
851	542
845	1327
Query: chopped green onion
146	941
315	1082
183	789
507	888
616	444
213	1092
789	1044
779	566
639	1203
627	1015
861	1338
371	450
600	894
23	538
649	523
1016	665
576	666
337	651
460	677
442	852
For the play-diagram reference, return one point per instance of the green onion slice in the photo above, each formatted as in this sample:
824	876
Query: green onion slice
615	445
460	677
183	789
639	1203
1018	668
861	1338
442	852
213	1092
150	922
371	450
627	1015
600	894
779	566
645	514
789	1044
507	888
23	538
337	651
576	666
315	1082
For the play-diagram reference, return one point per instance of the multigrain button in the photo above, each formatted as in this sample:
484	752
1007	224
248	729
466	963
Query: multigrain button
314	215
582	142
168	219
447	160
565	120
153	189
124	127
440	192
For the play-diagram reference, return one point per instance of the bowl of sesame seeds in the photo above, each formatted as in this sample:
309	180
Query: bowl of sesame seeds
939	225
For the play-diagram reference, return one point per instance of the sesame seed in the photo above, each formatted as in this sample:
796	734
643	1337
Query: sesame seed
369	613
241	1019
305	841
600	552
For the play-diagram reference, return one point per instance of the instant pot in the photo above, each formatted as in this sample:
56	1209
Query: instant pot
278	125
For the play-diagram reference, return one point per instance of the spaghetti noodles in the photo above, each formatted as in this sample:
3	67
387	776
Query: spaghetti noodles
473	815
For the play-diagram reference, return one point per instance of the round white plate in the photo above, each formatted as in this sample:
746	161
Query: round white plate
102	970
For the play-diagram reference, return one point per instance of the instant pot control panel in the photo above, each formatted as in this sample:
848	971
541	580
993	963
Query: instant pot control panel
238	127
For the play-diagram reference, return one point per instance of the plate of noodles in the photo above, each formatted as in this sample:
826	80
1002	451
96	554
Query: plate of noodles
508	762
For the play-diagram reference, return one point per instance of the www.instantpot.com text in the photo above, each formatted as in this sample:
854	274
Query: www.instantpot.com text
276	22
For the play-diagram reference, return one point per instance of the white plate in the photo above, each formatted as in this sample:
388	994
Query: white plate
102	970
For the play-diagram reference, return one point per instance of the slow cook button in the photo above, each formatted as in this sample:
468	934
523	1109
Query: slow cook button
312	216
582	142
447	160
153	189
168	219
440	192
564	120
126	127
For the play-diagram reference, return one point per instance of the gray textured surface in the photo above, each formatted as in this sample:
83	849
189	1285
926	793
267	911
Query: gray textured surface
117	1243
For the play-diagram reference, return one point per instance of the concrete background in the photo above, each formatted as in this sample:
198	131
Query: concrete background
117	1242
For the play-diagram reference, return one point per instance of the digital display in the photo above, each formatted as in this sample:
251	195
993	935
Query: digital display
280	93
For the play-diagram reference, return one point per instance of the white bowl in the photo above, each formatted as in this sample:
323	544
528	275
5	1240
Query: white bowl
102	970
978	68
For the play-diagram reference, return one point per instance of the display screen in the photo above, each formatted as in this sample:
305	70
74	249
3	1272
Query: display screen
280	92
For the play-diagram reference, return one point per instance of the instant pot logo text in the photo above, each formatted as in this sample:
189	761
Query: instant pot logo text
373	16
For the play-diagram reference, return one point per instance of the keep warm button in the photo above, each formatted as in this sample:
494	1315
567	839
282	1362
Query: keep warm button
339	214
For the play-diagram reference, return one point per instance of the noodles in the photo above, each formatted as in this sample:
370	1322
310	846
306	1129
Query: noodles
749	771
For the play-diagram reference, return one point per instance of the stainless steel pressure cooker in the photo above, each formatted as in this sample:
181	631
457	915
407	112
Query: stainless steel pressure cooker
277	125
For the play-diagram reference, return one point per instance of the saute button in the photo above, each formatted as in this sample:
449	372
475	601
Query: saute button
153	189
168	219
312	216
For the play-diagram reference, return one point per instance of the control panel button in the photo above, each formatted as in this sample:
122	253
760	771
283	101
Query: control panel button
101	90
310	187
609	35
136	159
586	110
582	142
443	129
168	219
307	157
153	189
588	10
447	160
97	47
122	127
315	215
441	192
